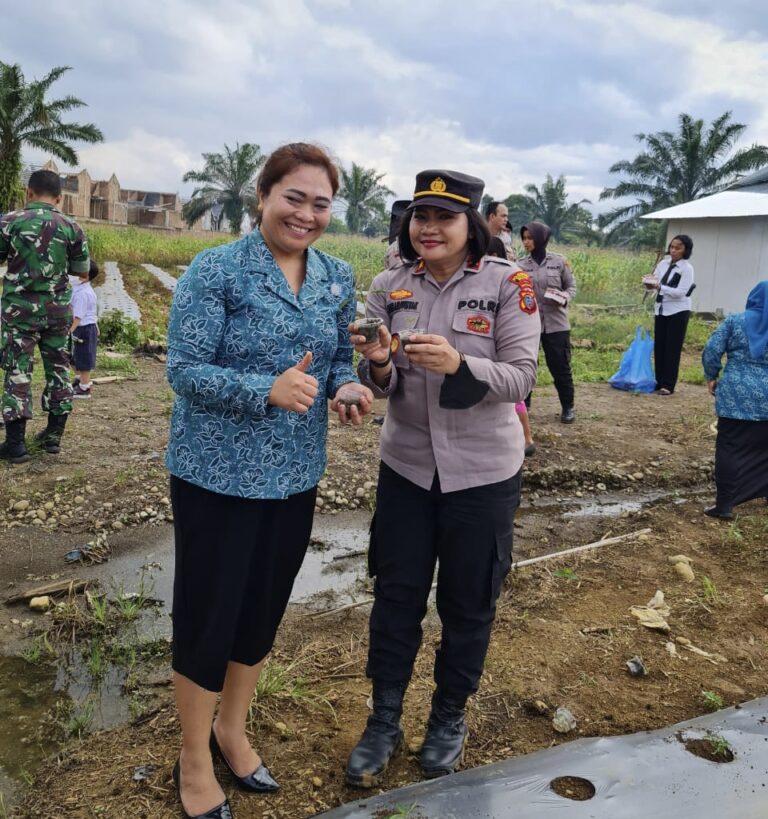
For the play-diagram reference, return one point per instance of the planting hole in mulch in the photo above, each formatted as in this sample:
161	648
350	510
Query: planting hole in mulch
573	787
714	749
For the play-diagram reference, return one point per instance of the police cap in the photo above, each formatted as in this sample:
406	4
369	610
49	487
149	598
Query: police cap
449	190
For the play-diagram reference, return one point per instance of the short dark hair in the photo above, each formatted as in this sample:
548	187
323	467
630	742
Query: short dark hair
687	243
496	248
490	208
45	183
286	159
479	236
93	272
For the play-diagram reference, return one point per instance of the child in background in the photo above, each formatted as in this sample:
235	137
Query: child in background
84	330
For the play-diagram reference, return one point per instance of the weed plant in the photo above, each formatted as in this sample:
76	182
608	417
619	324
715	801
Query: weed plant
712	700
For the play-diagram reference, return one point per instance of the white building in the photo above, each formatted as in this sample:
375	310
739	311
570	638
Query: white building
730	242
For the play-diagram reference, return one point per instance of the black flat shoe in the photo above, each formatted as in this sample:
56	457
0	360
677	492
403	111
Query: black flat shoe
222	811
721	514
260	781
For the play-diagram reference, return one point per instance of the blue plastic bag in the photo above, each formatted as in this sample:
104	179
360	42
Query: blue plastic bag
635	372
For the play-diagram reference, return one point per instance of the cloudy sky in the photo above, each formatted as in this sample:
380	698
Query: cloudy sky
508	91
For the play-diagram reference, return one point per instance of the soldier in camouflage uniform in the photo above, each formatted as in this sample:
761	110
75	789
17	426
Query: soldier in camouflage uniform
41	246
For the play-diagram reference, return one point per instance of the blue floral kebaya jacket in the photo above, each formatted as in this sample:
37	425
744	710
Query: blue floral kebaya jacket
742	390
235	326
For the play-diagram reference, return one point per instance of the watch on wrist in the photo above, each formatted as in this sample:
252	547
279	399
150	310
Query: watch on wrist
380	364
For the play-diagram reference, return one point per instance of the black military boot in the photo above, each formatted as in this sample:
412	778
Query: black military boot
381	738
50	437
14	449
443	748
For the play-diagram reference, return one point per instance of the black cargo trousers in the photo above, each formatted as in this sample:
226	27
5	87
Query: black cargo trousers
469	534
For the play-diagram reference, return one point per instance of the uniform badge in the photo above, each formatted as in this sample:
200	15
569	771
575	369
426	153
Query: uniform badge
528	301
519	278
437	185
479	324
420	267
399	295
473	265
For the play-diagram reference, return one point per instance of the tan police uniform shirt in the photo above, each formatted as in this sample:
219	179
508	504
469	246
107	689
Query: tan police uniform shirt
488	313
554	271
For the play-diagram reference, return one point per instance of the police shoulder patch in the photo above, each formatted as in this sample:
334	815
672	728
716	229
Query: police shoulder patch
528	301
520	277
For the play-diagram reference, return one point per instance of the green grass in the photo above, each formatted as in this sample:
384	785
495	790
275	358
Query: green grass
133	246
153	299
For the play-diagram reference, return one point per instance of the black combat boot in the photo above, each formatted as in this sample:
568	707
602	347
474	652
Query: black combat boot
14	449
50	437
443	748
381	739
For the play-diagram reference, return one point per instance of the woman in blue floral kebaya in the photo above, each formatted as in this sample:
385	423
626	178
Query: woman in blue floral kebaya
257	345
741	403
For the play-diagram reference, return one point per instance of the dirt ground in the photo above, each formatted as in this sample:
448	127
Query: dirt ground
563	633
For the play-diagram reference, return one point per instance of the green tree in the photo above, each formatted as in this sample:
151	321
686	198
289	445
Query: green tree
228	179
677	167
365	197
28	119
569	222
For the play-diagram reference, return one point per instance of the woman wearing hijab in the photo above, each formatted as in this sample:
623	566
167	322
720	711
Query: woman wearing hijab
674	283
741	403
555	289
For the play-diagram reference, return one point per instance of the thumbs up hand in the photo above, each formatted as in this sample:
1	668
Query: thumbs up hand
294	390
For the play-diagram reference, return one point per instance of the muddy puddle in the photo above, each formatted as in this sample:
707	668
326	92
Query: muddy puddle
613	504
41	702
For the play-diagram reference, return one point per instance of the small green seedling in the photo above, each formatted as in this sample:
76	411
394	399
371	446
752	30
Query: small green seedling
713	700
719	744
709	589
566	573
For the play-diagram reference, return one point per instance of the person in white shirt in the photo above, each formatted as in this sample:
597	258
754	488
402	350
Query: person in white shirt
84	330
673	282
497	217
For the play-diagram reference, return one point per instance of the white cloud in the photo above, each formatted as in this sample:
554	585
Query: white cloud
403	150
141	160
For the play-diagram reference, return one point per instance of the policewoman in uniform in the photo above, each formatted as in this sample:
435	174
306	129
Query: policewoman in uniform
555	289
451	457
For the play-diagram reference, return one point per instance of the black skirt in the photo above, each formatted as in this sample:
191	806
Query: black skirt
741	461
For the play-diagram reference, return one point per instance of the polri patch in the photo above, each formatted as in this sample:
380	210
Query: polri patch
528	301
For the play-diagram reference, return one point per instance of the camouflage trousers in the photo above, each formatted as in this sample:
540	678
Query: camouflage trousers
19	337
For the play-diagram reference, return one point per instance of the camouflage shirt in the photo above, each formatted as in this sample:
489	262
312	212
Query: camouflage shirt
41	246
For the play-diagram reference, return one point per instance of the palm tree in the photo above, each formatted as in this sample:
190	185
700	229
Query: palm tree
549	204
678	167
228	179
365	198
26	118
